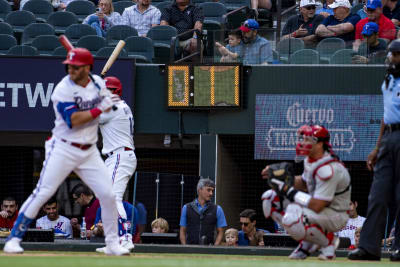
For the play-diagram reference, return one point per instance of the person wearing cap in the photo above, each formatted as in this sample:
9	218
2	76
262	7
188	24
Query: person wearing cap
256	49
303	25
341	24
391	10
387	30
374	50
384	161
184	16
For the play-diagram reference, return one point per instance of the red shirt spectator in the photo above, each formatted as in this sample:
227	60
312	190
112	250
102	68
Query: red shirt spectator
9	213
8	222
387	29
90	212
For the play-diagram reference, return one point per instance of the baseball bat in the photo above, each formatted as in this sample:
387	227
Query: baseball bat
112	58
65	42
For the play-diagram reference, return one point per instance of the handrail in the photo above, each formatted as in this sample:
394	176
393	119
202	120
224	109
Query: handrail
199	46
234	11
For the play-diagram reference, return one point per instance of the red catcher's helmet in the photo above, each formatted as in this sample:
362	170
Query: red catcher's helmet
114	84
79	57
316	133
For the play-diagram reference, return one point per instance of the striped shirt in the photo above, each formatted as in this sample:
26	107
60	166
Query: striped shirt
257	52
142	22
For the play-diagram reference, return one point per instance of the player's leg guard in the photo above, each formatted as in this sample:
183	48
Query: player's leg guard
20	226
303	250
315	234
293	222
272	206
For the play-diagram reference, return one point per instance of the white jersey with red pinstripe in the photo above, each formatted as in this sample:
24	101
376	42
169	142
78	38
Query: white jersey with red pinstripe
351	227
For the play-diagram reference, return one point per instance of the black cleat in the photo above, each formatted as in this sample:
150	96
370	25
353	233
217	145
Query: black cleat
362	255
395	256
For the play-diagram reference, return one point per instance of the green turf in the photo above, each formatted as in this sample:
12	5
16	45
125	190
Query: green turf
68	259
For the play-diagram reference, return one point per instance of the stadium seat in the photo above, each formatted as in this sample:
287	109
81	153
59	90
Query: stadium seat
214	31
61	20
343	56
19	19
275	55
107	51
235	4
287	47
46	44
121	5
162	5
161	36
23	50
35	29
119	32
6	28
156	2
81	8
75	31
198	2
327	47
60	51
140	46
5	8
6	42
357	7
93	43
305	56
214	11
40	8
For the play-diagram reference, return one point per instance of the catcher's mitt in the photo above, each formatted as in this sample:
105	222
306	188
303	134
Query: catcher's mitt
281	177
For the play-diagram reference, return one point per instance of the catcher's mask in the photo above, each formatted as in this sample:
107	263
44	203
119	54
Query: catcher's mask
308	136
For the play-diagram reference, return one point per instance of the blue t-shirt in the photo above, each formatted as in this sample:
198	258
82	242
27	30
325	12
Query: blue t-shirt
391	101
362	13
142	218
221	221
128	209
244	241
352	18
324	9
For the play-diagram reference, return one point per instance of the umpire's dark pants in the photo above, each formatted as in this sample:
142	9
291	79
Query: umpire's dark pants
385	189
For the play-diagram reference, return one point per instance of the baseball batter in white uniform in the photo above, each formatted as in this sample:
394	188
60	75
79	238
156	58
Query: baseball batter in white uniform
316	206
77	102
116	129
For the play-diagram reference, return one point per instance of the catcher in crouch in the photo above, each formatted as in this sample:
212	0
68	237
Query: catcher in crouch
313	206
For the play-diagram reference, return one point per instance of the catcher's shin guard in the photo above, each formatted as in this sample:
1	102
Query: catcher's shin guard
293	222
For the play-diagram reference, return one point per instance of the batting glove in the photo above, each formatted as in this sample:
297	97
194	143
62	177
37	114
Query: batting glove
105	104
105	92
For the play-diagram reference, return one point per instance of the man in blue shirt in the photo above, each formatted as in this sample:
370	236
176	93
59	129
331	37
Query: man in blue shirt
250	235
256	49
200	218
384	160
341	25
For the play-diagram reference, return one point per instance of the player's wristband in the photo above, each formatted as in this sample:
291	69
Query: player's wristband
95	112
299	197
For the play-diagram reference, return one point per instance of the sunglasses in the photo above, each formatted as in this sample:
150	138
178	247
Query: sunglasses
309	7
370	10
245	224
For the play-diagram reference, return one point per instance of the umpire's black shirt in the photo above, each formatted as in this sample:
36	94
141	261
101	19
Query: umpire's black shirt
182	20
295	21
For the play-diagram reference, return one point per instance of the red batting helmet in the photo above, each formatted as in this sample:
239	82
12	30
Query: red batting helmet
114	84
79	57
317	133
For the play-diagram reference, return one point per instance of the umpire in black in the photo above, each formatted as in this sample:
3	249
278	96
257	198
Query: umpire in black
200	218
385	161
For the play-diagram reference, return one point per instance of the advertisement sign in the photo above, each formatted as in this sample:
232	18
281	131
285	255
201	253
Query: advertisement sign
352	120
26	85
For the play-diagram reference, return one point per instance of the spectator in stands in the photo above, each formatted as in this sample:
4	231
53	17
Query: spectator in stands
60	5
184	16
104	18
256	4
233	51
303	25
200	218
159	226
387	30
250	235
256	49
85	198
355	221
325	10
231	237
124	229
141	16
391	10
341	24
52	220
375	48
9	213
357	234
142	221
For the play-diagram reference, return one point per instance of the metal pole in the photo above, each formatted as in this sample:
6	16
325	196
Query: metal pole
158	191
182	186
133	202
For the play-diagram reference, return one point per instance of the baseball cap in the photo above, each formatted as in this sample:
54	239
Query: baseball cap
374	4
307	3
370	28
249	25
338	3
